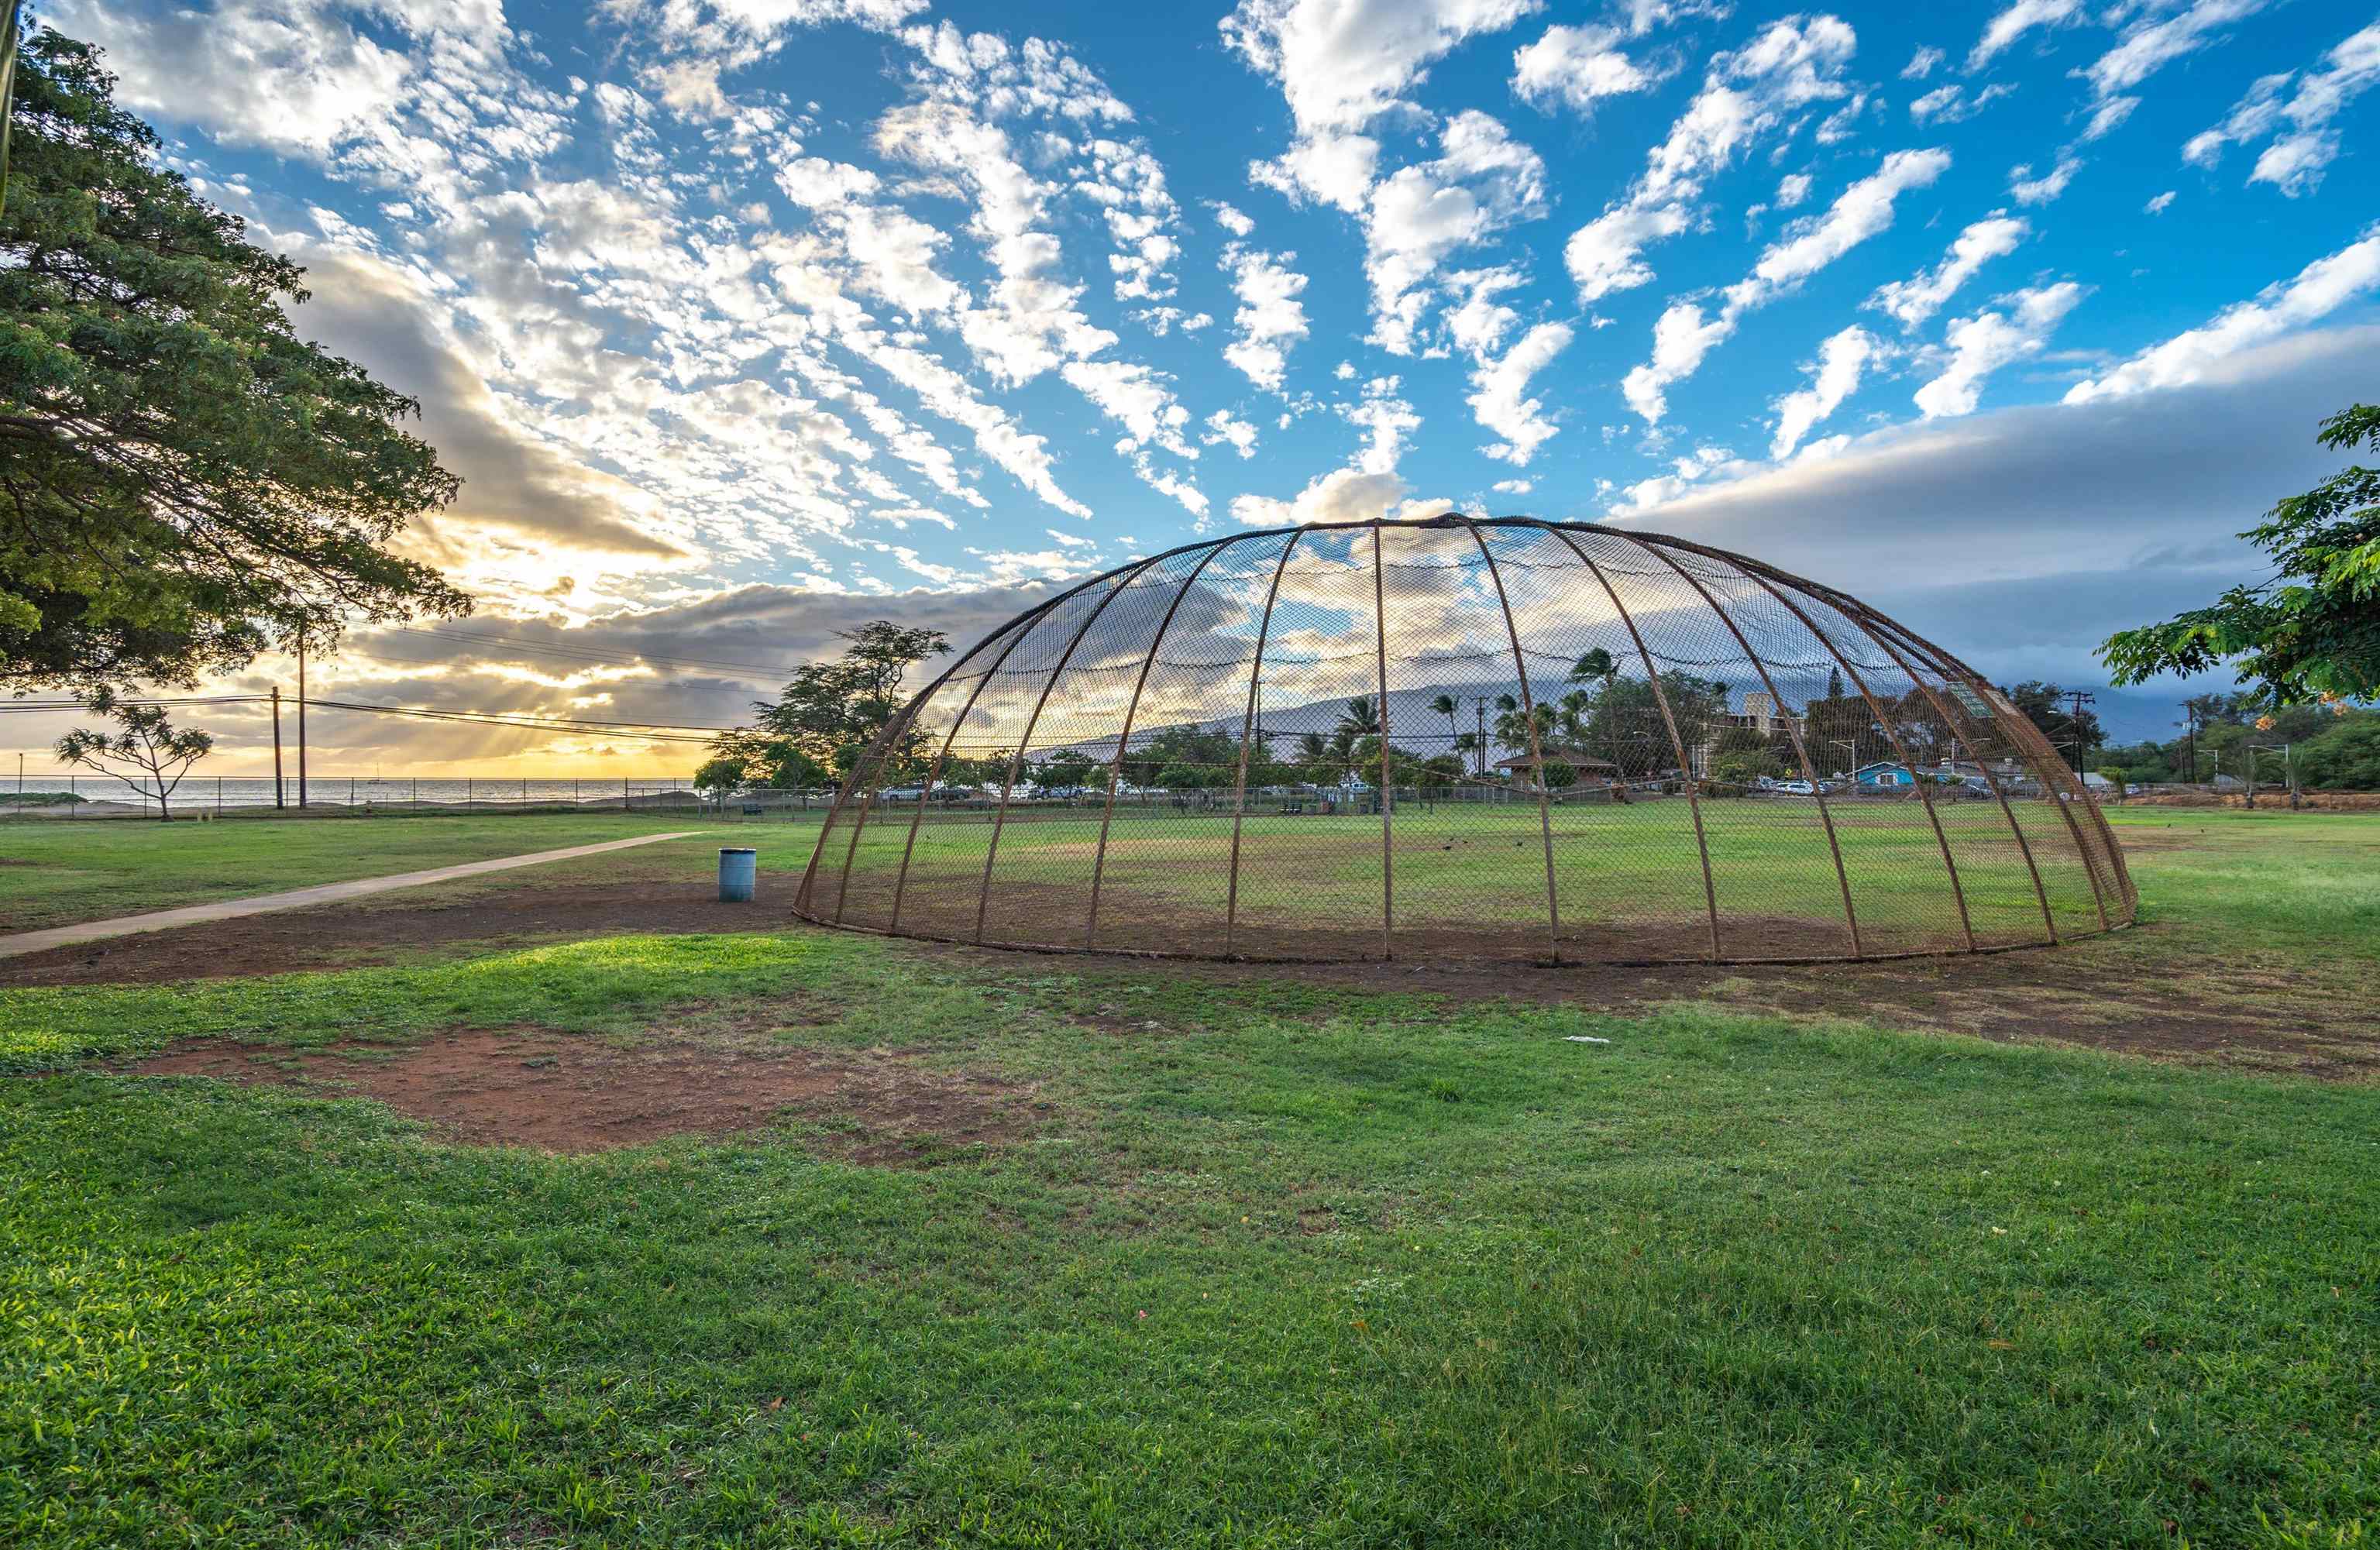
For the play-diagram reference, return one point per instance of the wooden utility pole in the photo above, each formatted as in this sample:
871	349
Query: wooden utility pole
279	799
301	719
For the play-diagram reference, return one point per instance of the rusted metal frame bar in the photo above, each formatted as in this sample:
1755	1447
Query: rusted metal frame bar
1017	759
916	820
1537	751
1022	621
1116	765
1801	751
1943	663
1661	698
873	759
1944	707
1388	785
1950	666
1247	727
1924	791
2045	757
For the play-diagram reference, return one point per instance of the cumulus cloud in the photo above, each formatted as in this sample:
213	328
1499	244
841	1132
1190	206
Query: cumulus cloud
1950	104
1835	376
2149	46
1912	301
1983	343
1482	181
1746	93
2295	162
1576	66
2026	189
2013	22
1271	320
2316	291
1343	63
1684	336
1499	388
1342	495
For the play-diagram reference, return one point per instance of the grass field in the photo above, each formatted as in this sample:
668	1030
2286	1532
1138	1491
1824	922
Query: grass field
57	874
1249	1258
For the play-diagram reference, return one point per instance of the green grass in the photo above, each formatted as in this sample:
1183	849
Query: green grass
1281	1264
57	874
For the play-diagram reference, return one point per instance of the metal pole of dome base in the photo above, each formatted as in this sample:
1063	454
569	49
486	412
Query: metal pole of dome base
1247	728
2021	728
1793	730
1966	927
1961	724
895	731
1116	765
1017	759
1536	751
1661	698
1877	626
1388	790
926	793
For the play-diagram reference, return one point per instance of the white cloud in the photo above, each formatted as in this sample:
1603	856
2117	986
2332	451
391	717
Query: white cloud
1343	63
2156	206
1270	319
1577	65
1745	93
2318	290
1223	427
1482	181
1232	220
1386	419
1498	398
1513	487
1792	191
1983	343
2294	163
1914	300
1950	104
1835	377
1342	495
2026	189
1684	336
1335	169
1921	63
2148	47
2015	22
2107	116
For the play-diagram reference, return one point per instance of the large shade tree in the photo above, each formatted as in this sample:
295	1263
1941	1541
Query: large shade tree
184	481
2311	631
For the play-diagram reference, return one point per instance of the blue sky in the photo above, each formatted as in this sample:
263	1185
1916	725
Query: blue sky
741	316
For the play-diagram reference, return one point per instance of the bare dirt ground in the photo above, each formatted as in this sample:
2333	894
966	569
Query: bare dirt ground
531	1087
2135	991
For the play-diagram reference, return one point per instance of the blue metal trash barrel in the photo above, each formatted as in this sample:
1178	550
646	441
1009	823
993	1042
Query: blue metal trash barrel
737	866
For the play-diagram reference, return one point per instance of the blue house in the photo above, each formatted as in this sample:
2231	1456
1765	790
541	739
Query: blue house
1883	774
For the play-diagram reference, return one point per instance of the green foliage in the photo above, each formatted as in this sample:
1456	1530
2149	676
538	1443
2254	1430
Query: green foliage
147	753
2346	758
722	776
831	713
2045	705
188	481
2311	631
1745	767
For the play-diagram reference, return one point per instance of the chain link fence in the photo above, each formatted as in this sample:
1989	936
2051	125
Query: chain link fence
79	795
1499	739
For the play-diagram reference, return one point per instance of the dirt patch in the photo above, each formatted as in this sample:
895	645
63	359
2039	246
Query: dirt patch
535	1088
356	936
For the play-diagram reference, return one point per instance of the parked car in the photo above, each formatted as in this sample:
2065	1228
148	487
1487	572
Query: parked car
902	793
1795	788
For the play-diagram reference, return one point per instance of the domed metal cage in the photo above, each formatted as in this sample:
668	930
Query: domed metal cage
1464	738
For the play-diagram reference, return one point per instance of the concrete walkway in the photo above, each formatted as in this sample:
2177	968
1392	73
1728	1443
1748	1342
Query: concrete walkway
298	897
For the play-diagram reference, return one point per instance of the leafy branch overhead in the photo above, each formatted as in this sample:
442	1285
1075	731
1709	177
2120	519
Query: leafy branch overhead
183	481
2311	631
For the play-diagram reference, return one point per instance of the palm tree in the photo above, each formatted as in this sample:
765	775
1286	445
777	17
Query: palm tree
1596	668
1444	705
1361	715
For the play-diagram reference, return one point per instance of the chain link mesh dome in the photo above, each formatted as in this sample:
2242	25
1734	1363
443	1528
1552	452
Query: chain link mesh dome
1464	738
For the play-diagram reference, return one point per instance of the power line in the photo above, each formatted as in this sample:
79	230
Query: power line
655	732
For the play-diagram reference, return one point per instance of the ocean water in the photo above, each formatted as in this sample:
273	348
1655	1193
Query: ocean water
225	794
